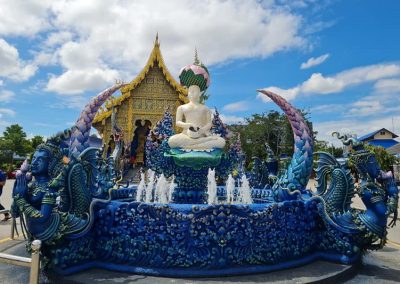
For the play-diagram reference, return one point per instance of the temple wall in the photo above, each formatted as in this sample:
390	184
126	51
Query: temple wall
148	101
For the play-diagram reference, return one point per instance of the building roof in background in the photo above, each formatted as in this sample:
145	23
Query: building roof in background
394	150
371	135
385	143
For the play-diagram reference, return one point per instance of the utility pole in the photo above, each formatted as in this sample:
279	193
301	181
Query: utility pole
392	124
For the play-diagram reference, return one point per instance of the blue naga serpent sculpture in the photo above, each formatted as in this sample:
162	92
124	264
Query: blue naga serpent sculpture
296	226
293	183
58	202
377	190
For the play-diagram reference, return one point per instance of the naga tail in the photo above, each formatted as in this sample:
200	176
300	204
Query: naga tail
81	130
295	180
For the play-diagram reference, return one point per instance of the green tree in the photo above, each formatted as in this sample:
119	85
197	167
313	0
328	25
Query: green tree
270	127
14	141
6	155
36	141
384	159
323	146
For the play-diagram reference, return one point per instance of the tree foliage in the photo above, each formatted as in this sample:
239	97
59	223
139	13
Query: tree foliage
383	157
323	146
16	140
12	142
270	127
36	141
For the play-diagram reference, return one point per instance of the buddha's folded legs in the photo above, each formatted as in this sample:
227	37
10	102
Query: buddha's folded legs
184	141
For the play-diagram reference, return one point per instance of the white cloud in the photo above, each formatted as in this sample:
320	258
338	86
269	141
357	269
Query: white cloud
58	38
24	18
318	26
231	119
237	106
7	111
314	61
384	100
76	81
44	59
356	126
372	112
319	84
118	35
326	108
288	94
366	107
6	96
11	65
386	86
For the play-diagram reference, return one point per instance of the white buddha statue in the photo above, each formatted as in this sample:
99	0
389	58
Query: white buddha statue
195	119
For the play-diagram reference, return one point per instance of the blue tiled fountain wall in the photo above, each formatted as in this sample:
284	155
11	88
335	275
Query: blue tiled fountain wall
203	240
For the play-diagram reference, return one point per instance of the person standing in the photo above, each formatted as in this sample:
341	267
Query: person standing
3	179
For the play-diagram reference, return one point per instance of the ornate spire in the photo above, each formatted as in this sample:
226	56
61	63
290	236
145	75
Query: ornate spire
156	41
196	58
195	74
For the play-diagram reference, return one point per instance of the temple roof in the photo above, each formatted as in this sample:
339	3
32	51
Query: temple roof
155	59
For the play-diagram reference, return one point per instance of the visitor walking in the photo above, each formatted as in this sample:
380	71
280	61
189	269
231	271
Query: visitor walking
3	179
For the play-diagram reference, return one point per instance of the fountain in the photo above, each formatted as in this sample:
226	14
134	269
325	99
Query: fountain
141	188
211	187
97	224
171	188
161	193
230	186
150	186
245	192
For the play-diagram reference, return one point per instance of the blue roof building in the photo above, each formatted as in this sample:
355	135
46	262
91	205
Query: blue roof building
381	137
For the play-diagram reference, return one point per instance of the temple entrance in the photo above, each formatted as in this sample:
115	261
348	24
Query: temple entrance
141	130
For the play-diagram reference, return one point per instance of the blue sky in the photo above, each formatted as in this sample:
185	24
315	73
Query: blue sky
338	59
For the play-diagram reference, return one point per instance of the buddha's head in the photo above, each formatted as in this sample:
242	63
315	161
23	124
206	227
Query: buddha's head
194	94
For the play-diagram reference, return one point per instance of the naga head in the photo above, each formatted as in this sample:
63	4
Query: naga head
364	160
366	164
47	161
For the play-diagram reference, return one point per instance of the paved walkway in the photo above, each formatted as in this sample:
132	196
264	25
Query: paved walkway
376	267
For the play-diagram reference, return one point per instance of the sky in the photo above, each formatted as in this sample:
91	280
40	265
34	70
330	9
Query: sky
339	60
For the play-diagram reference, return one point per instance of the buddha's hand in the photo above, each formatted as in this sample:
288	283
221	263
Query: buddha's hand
194	129
204	131
190	126
20	184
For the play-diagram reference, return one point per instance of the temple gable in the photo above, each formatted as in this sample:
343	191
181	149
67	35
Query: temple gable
144	99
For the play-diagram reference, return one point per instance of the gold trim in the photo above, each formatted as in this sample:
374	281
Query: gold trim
130	118
154	59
